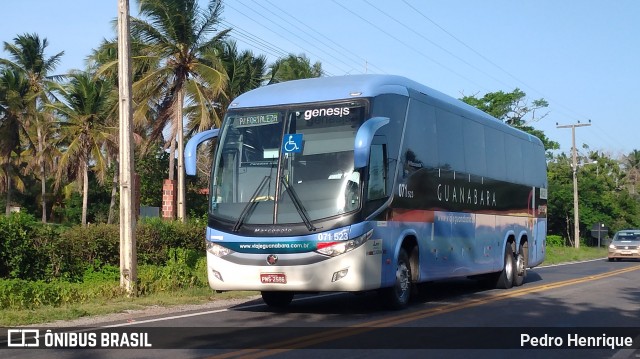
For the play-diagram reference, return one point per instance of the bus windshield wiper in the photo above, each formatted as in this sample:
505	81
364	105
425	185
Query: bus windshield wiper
296	203
248	208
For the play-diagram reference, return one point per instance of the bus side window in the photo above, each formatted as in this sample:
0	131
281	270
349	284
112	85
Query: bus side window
377	173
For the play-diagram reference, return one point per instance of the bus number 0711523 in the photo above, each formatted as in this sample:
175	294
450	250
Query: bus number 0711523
337	236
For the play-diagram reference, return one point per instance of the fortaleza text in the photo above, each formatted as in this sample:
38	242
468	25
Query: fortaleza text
575	341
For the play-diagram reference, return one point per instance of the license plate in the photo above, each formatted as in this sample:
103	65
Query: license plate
279	278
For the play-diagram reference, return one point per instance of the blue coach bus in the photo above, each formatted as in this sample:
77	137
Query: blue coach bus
368	182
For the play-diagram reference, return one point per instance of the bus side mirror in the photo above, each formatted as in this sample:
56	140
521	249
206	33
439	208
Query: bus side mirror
191	148
364	137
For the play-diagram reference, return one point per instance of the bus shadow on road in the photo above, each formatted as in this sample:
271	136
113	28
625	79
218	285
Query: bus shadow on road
369	303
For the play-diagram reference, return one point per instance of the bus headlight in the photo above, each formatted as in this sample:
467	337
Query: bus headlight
333	249
218	250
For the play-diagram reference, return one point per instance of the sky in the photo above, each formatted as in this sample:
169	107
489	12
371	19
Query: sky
582	56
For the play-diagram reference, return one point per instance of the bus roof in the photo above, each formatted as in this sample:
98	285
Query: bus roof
350	87
329	88
338	88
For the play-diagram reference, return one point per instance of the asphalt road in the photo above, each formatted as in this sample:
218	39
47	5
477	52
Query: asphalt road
557	310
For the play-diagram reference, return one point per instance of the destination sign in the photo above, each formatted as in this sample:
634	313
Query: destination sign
256	120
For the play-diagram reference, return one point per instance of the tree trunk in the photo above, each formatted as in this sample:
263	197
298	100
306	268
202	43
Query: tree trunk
43	177
172	164
7	170
568	222
172	159
85	193
114	193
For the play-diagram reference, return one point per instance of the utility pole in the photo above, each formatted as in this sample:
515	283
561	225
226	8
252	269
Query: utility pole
128	255
182	204
574	166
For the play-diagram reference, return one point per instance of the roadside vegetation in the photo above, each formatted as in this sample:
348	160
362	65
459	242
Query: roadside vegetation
566	254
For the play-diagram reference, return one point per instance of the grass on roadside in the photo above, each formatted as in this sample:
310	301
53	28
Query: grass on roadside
99	306
557	255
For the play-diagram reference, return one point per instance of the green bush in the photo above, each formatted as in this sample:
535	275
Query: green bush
154	237
101	273
21	255
185	268
54	265
88	245
31	250
555	240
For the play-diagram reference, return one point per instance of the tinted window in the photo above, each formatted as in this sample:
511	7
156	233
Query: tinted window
513	154
474	154
395	108
420	135
495	153
377	173
450	141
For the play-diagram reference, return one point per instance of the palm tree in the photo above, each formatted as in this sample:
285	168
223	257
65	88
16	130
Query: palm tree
104	61
293	67
14	89
245	72
182	37
85	109
27	55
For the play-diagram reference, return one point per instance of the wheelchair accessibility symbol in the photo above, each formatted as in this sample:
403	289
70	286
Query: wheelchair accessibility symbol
292	143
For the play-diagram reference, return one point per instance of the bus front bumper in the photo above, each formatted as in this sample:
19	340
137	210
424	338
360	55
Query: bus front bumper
357	270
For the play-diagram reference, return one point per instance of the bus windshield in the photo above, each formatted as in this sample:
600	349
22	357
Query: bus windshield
287	165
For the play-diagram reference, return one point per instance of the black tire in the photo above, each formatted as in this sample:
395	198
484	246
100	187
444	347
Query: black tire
398	296
521	264
610	259
277	299
506	276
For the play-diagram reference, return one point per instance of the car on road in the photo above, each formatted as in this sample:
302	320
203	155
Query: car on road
625	245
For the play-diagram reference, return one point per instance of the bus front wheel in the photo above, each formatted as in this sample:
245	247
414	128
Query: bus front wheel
397	296
277	299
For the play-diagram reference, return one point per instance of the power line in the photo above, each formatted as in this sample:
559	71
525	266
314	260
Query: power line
301	30
409	46
568	112
493	63
239	34
460	41
610	140
434	43
278	34
332	43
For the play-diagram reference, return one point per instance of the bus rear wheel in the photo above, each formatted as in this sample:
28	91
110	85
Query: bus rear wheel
397	296
277	299
521	265
506	277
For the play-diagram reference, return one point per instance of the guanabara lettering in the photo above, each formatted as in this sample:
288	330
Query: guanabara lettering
466	195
